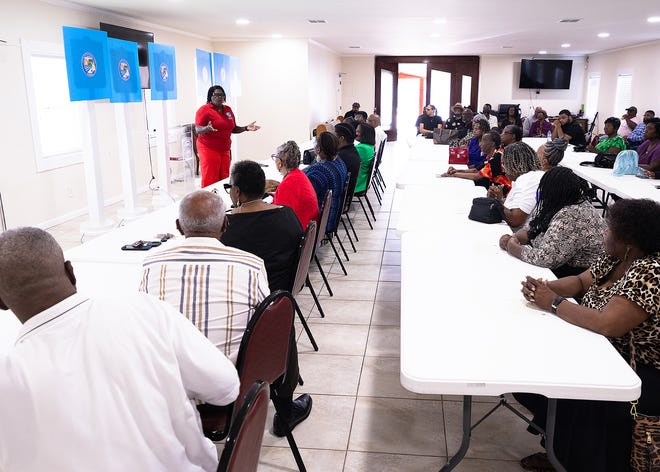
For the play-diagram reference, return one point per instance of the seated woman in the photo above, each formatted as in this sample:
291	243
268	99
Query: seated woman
540	127
613	143
621	300
271	232
512	118
522	167
295	190
649	150
491	172
565	230
476	157
328	173
366	136
551	153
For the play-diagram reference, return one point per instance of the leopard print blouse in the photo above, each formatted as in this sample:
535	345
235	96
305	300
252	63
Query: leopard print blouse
641	285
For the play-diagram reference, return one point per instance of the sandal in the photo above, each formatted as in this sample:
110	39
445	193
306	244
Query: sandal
537	462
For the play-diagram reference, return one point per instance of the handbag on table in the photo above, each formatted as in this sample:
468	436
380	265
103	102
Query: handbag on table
486	210
645	451
605	160
458	155
442	136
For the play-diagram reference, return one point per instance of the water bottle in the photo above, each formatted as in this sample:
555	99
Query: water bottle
549	136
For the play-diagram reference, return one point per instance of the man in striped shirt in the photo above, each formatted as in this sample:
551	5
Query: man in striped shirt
217	287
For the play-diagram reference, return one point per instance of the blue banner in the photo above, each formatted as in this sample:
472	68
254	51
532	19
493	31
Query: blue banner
204	72
162	72
87	64
235	76
124	71
221	72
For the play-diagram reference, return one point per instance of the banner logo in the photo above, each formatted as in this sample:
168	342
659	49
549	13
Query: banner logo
124	70
164	74
88	63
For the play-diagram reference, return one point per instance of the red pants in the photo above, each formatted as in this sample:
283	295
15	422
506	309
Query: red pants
213	164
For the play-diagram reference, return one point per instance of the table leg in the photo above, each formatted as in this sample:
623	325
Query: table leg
550	435
467	431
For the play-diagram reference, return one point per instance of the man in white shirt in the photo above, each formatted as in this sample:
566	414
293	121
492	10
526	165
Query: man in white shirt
374	120
99	384
487	111
217	287
629	122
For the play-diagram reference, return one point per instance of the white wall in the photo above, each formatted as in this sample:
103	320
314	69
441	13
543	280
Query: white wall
640	61
498	83
275	93
324	85
358	83
32	198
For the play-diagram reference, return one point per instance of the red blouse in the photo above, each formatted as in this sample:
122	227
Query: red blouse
296	191
222	120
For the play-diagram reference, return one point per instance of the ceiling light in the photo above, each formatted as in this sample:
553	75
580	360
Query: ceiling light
440	21
570	20
276	36
242	21
653	19
603	35
507	47
316	21
543	52
566	45
354	47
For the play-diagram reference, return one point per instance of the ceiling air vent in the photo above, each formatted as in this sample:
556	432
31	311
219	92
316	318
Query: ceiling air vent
570	20
317	21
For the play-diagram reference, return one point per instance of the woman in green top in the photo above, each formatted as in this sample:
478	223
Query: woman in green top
366	134
613	143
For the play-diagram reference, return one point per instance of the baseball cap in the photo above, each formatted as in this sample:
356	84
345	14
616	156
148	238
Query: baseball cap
631	108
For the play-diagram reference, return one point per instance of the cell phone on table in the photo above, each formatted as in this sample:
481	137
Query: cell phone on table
138	246
164	236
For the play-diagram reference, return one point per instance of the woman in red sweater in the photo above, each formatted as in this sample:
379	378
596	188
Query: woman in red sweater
295	190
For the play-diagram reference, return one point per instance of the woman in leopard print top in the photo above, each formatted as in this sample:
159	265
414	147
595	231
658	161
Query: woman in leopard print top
620	295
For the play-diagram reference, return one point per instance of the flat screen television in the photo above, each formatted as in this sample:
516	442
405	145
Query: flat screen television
139	37
545	73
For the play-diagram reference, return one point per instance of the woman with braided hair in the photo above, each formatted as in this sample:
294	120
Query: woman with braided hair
565	232
551	153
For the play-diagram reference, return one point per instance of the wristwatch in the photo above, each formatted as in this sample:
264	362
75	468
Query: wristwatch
555	304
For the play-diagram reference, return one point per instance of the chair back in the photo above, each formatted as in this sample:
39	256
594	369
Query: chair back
265	344
346	198
323	220
379	154
241	451
371	171
305	253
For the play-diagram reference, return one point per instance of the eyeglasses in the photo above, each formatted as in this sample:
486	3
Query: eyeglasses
227	187
275	156
218	95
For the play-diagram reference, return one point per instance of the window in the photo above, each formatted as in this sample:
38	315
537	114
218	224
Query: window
466	90
593	89
56	121
623	96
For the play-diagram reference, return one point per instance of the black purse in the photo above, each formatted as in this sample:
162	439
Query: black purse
486	210
309	156
605	160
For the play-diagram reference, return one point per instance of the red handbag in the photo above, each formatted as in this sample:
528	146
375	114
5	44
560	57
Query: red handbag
458	155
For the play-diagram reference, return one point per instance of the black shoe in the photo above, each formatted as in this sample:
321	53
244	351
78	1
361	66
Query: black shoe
300	410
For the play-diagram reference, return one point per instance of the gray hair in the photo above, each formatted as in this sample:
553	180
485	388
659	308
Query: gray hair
201	212
553	150
519	158
31	257
289	154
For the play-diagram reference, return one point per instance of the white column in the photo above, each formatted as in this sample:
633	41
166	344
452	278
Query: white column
127	165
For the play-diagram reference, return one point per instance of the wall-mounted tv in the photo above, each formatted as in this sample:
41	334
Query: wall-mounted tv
139	37
545	73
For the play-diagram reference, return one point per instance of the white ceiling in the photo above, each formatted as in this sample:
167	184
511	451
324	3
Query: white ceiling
395	27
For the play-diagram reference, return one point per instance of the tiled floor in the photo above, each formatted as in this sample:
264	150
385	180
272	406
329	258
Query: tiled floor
362	419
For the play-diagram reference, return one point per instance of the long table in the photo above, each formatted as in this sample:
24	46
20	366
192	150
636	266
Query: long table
465	334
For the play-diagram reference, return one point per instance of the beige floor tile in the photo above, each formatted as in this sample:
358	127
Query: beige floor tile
280	459
392	234
327	427
347	340
501	436
330	374
398	426
371	244
344	312
390	273
381	378
371	461
345	289
393	245
391	258
384	341
364	257
480	465
355	272
388	291
386	314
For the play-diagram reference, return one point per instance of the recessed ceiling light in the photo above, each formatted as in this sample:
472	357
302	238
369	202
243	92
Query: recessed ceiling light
354	47
570	20
317	21
242	21
566	45
276	36
440	21
507	47
603	35
653	19
543	52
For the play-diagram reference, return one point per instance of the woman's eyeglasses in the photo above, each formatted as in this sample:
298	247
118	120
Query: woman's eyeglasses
227	187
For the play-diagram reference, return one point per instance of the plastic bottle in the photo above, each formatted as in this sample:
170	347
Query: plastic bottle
549	135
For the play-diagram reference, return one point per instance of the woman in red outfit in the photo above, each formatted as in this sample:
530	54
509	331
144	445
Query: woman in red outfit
215	123
296	190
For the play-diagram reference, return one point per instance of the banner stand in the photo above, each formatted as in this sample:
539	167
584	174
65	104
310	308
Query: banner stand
130	211
97	222
164	196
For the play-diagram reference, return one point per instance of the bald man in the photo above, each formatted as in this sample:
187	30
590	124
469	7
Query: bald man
374	120
227	282
98	384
